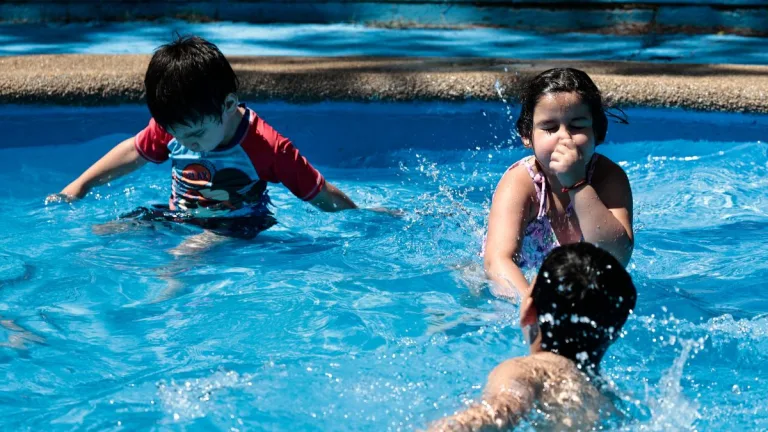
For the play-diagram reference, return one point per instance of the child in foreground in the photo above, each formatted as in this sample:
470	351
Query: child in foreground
565	193
577	306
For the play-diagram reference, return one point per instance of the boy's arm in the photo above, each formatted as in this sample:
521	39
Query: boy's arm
508	397
276	159
331	199
121	160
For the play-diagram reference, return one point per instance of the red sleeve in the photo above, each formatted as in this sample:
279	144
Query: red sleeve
152	143
277	160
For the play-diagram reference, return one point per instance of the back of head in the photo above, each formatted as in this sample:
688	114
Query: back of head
188	80
562	80
583	296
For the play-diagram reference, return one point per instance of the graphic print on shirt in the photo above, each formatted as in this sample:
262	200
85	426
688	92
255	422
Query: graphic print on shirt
231	180
205	191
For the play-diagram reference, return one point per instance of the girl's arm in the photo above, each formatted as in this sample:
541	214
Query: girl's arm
604	210
506	225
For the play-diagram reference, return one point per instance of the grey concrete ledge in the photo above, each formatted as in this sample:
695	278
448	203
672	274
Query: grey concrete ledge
117	79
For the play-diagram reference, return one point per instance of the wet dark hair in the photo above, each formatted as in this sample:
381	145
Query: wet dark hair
188	80
563	80
583	296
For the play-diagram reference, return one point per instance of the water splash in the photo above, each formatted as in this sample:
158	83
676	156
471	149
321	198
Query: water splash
670	408
195	398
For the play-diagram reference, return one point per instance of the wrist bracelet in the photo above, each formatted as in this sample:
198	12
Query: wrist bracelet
576	185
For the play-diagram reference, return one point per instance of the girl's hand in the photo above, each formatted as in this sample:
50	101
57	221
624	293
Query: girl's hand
567	163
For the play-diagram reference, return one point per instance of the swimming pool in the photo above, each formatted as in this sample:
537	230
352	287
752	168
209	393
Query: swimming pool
359	321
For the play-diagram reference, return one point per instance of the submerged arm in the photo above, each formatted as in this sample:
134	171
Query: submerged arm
121	160
331	199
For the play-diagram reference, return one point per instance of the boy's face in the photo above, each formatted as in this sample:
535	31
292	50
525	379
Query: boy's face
202	136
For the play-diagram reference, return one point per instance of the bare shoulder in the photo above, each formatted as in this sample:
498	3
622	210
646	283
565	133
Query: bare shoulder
552	383
515	188
514	368
609	173
531	373
518	371
536	369
516	179
612	184
553	364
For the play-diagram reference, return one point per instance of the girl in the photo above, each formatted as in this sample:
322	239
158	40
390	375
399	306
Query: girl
565	193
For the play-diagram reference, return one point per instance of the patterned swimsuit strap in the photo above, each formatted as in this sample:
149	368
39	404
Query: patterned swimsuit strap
540	182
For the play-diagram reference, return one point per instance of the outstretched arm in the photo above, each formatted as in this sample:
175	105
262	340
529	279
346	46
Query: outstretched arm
121	160
498	413
508	397
506	228
331	199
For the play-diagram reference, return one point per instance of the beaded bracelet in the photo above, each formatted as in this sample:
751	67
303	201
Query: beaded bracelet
578	184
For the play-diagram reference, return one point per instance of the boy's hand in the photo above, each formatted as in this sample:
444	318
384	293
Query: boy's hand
390	212
72	192
567	163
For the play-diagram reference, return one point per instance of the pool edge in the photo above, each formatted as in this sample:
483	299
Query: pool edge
77	79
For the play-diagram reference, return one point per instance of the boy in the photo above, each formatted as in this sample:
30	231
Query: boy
579	301
222	153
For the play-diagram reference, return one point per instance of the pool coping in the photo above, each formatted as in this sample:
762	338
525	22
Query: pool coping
77	79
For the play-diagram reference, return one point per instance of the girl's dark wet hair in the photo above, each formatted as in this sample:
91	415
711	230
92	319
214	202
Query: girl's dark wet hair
562	80
188	80
583	296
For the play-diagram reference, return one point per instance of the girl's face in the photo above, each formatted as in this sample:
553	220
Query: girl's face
559	117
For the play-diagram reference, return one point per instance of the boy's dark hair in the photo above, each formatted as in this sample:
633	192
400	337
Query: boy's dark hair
583	297
187	80
562	80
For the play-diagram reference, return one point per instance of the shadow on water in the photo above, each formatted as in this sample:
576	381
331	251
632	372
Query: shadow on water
351	40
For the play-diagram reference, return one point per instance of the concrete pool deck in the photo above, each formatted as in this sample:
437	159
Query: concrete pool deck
118	79
104	63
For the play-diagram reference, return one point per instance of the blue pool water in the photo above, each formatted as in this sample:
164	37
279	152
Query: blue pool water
359	321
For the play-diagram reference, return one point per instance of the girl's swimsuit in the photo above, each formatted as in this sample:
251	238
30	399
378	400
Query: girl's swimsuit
539	237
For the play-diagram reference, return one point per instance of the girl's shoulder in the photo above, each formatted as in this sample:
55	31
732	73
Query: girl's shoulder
520	175
611	182
607	171
517	185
